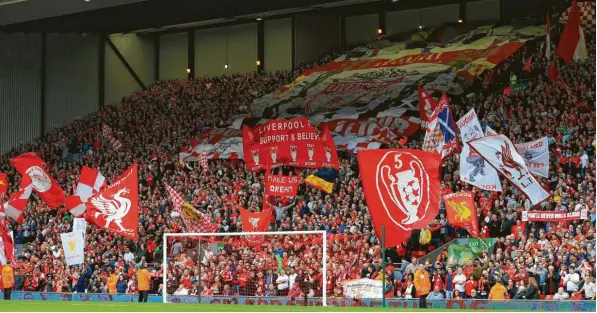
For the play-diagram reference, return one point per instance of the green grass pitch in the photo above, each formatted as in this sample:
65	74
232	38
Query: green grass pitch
60	306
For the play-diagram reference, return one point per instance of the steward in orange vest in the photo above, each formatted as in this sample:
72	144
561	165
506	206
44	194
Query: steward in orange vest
143	280
112	281
8	280
423	285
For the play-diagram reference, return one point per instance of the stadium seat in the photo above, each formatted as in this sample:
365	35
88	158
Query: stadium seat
576	296
549	297
418	253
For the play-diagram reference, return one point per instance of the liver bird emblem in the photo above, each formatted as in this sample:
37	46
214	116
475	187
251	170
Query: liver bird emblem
509	162
462	211
254	221
114	209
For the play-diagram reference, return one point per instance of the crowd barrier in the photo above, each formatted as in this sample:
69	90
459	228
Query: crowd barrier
467	304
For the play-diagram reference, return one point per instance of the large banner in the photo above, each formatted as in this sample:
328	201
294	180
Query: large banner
473	169
542	216
402	190
293	142
499	151
536	156
73	245
363	288
216	143
462	253
281	186
370	80
462	211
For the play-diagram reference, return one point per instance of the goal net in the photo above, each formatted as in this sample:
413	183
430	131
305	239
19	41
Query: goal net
260	268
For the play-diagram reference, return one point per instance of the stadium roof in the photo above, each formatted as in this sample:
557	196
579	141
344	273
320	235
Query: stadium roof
121	16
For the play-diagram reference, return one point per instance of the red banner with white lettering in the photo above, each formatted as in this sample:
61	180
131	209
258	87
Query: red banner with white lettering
293	142
552	216
281	186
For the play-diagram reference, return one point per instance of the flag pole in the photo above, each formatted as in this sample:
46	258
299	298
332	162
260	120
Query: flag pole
383	264
199	262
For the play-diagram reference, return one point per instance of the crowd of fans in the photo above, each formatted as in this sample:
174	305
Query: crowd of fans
531	260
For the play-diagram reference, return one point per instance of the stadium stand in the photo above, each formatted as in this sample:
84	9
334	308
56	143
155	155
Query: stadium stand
531	260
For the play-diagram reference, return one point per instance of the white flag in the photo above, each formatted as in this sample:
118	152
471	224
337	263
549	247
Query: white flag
80	225
536	156
473	169
500	152
489	131
73	245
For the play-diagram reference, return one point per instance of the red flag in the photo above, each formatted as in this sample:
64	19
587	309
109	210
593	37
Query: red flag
6	240
462	212
527	65
3	186
75	205
44	185
572	44
255	221
426	105
18	201
116	207
553	74
402	190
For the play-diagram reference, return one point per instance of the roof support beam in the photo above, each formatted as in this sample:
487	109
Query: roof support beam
125	63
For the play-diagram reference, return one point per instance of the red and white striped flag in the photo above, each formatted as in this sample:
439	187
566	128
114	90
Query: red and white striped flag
113	141
90	181
204	161
18	201
572	44
194	220
75	205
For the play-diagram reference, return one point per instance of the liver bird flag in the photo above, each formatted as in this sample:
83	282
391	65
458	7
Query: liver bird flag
462	211
255	221
116	207
402	190
29	164
501	153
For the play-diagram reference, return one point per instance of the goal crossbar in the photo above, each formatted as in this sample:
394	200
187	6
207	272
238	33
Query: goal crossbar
323	234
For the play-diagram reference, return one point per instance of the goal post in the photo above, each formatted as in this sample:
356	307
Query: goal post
298	248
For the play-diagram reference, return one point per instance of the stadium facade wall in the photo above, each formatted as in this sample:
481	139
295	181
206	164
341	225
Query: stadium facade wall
403	21
361	28
467	304
20	89
436	16
210	51
72	88
173	56
277	44
233	45
484	10
314	35
140	54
